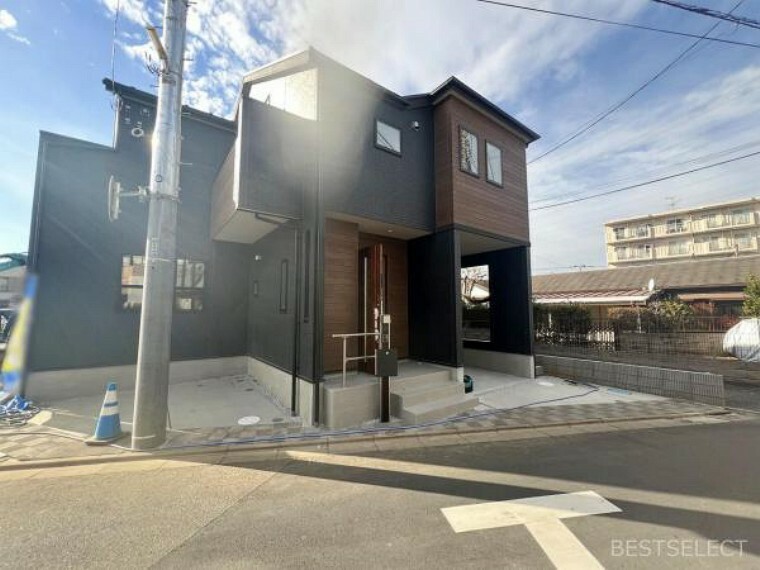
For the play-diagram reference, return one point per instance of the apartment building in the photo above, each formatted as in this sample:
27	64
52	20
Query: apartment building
729	229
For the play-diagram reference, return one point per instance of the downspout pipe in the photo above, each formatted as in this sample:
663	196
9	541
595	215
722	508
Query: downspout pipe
296	320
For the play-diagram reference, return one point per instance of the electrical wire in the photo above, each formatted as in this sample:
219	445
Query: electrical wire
656	171
599	118
727	17
647	183
616	23
114	101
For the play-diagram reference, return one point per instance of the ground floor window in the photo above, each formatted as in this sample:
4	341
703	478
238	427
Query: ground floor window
189	286
476	303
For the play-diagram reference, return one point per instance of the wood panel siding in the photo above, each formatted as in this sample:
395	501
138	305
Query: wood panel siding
341	296
468	200
341	291
398	299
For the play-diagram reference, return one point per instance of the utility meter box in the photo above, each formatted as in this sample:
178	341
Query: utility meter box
386	362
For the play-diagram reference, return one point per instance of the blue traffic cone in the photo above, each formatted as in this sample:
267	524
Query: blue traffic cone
108	428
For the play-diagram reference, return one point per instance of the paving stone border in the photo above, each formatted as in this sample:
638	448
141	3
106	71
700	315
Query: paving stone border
703	387
37	446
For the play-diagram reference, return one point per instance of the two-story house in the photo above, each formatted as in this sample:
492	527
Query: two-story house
718	230
327	197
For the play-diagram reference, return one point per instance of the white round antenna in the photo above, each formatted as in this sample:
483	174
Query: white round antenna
114	193
650	285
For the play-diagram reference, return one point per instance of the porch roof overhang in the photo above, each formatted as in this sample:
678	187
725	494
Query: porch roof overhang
622	297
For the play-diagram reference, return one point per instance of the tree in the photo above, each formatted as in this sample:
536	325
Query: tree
751	306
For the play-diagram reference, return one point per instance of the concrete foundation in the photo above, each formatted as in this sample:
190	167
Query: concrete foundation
682	384
53	385
521	365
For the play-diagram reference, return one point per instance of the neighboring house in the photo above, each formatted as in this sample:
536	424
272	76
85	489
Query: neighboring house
12	274
327	196
729	229
716	281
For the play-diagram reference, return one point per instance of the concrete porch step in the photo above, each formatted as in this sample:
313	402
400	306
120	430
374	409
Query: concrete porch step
414	395
402	383
438	409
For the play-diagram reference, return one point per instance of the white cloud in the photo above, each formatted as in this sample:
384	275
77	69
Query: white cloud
407	46
7	20
641	143
8	24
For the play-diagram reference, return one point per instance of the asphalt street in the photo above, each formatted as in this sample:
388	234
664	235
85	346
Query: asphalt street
688	497
742	396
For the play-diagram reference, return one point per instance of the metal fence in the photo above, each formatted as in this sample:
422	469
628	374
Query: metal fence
636	333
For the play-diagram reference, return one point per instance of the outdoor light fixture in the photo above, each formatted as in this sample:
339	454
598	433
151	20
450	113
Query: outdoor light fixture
157	45
416	125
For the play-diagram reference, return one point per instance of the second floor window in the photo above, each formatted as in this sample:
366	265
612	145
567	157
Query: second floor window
468	151
741	216
493	163
676	226
387	137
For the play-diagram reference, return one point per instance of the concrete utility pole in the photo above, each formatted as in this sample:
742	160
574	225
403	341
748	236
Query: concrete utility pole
154	351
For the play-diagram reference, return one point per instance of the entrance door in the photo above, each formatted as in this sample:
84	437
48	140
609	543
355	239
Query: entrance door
373	299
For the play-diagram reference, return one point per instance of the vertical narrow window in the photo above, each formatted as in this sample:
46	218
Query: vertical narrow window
306	274
284	286
468	151
493	164
387	137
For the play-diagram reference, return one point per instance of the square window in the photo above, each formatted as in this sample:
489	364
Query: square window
493	163
387	137
468	151
189	284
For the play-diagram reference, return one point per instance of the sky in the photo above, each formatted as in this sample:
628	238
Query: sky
553	74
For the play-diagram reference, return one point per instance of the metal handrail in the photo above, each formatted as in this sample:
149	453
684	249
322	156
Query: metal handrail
346	336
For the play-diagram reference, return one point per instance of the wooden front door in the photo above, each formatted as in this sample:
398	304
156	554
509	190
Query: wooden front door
373	299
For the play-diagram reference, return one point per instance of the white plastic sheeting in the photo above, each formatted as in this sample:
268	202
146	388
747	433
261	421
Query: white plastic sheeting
743	340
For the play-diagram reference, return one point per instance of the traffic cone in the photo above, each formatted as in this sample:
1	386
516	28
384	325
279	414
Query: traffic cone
108	428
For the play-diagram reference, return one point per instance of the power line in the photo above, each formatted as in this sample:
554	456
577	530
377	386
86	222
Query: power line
647	183
611	110
728	17
655	171
615	23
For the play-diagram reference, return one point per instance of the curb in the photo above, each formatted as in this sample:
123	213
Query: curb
217	451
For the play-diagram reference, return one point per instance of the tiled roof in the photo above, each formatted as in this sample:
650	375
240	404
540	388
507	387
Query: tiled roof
722	272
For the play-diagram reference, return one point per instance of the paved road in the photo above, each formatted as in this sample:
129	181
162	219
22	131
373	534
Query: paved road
743	396
358	507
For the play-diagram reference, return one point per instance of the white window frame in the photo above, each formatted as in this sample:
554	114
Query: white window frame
489	178
463	131
382	142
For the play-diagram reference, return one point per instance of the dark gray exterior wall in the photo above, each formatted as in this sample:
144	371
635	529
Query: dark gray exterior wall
270	330
434	315
511	313
357	177
77	252
277	159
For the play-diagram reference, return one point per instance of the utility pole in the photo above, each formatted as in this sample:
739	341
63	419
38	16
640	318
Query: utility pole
154	349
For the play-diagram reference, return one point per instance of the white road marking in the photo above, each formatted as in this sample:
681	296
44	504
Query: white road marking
542	517
562	547
696	504
466	518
